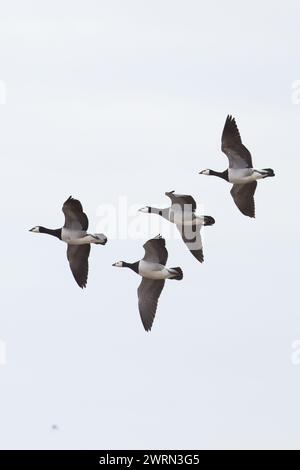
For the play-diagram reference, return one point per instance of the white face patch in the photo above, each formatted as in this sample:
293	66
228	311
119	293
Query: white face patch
205	172
144	209
35	230
118	264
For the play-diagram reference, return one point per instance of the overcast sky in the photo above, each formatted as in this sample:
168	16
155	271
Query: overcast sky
121	101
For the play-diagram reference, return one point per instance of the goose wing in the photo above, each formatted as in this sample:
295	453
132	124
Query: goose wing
155	250
75	218
192	238
149	291
183	201
237	154
78	256
243	196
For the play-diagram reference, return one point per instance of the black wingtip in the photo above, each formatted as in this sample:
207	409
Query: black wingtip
248	214
147	325
81	284
198	254
69	199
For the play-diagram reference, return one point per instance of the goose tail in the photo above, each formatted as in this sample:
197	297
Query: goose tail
208	220
176	273
269	171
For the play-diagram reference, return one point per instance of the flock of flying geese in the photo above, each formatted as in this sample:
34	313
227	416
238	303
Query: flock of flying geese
182	212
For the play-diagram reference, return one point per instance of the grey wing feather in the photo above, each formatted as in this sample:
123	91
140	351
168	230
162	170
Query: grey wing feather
184	201
192	238
78	256
238	155
75	218
149	291
243	196
155	251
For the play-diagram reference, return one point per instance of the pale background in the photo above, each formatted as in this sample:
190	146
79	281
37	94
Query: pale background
129	98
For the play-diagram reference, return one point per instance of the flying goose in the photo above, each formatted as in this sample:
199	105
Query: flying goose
182	214
240	172
74	233
153	271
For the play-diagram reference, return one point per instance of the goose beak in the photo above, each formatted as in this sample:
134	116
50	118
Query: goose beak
144	209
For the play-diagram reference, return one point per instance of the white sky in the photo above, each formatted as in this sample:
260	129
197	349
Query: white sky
114	98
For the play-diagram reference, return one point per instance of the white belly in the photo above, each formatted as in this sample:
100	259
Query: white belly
153	270
187	218
68	235
80	237
87	239
197	220
243	175
76	237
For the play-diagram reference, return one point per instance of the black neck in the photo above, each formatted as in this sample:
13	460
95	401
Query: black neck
223	174
133	266
49	231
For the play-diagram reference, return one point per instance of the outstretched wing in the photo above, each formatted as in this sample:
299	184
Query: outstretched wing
155	250
243	196
238	155
149	291
78	257
191	236
183	201
75	218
